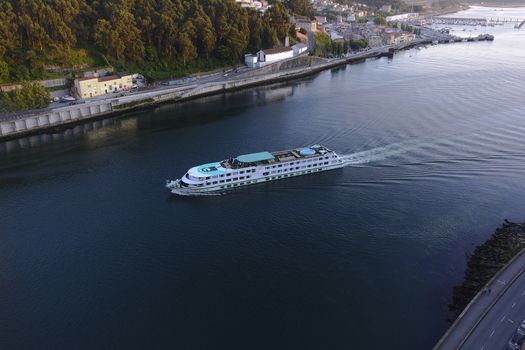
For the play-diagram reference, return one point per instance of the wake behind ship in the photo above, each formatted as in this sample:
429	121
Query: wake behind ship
250	169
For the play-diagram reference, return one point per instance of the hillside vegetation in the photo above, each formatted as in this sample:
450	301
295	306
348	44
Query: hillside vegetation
158	37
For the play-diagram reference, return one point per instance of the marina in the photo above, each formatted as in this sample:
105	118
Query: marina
467	21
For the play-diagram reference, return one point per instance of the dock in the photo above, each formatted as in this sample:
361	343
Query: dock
466	21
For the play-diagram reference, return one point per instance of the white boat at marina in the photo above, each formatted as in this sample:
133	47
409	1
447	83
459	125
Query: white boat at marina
250	169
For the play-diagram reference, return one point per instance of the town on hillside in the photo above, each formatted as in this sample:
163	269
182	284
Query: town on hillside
262	33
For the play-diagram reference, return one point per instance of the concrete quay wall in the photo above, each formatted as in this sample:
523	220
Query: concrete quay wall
14	127
23	125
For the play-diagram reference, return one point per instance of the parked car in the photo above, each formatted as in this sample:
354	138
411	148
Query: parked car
67	98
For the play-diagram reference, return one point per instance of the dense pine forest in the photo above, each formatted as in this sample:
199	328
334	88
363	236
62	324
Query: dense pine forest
157	37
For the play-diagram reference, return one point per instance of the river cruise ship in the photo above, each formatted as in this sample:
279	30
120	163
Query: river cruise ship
250	169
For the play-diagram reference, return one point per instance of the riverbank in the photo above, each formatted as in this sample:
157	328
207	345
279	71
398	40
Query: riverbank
16	126
493	286
486	260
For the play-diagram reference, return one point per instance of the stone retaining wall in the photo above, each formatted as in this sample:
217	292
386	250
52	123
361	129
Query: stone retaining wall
49	119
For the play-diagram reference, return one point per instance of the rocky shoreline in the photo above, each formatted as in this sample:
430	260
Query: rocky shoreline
487	259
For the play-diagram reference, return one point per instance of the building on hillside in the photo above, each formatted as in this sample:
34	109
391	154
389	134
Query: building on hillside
402	17
269	56
299	48
308	25
386	8
335	36
250	60
91	87
260	6
321	19
375	40
273	55
397	38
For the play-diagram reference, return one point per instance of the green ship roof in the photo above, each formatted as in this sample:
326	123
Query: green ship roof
255	157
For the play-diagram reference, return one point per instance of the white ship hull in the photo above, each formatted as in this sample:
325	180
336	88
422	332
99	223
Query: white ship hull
254	169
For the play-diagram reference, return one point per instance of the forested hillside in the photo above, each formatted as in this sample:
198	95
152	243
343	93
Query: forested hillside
151	35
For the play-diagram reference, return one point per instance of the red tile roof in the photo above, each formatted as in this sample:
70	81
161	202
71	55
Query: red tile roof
109	77
276	50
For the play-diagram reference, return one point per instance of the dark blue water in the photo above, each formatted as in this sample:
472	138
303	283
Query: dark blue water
94	252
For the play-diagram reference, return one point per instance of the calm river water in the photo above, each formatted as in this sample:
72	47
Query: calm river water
94	252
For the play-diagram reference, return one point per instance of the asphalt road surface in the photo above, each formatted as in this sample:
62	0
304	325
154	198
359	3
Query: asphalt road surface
492	317
498	326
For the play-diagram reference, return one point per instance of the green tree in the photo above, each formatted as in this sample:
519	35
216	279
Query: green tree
6	104
19	100
301	7
380	20
4	71
277	19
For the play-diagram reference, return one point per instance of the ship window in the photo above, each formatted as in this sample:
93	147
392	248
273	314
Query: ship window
207	178
309	166
228	180
235	179
241	177
297	167
266	173
242	171
222	181
248	176
229	174
214	182
325	163
280	165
